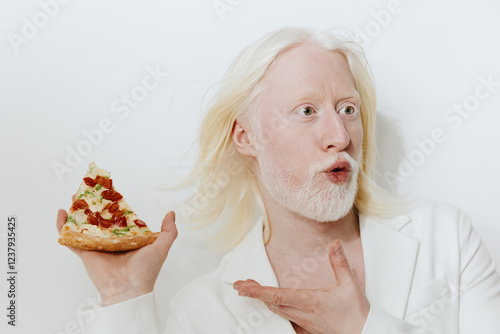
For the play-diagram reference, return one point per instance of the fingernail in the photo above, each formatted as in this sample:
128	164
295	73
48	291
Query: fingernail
237	286
243	293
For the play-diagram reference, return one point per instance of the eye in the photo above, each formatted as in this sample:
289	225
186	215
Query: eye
306	111
348	110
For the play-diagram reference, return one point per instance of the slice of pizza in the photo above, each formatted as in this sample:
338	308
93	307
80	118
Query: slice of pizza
100	219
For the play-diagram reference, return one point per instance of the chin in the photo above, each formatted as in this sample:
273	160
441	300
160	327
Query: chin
324	203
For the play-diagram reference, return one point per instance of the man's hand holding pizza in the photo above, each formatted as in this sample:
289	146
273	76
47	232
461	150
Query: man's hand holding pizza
120	276
122	256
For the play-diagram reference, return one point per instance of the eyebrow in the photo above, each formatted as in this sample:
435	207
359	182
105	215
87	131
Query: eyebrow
350	95
340	97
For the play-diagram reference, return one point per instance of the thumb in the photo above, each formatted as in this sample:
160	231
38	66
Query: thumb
168	223
340	263
167	235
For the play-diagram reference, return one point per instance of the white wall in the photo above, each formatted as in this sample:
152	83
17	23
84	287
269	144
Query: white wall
65	78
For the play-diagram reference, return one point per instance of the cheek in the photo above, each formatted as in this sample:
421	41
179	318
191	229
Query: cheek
356	136
290	157
286	143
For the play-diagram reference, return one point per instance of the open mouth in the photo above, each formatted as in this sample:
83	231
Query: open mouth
338	172
343	169
339	166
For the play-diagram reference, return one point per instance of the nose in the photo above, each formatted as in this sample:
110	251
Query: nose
334	135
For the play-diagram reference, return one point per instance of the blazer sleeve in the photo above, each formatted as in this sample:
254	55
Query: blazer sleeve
479	309
137	315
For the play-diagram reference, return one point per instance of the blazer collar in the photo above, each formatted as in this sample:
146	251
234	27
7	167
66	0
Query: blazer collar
248	260
389	260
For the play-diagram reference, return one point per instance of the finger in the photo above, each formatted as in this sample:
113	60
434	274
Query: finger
167	235
283	311
249	282
295	315
298	298
340	263
61	219
168	222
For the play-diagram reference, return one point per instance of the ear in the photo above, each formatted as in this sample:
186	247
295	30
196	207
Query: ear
243	139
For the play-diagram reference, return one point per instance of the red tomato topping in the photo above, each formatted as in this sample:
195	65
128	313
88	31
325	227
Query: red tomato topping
89	181
92	219
139	223
113	207
79	204
111	195
119	221
104	222
104	181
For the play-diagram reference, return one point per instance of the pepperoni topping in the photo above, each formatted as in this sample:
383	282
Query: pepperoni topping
89	181
111	195
139	223
79	204
104	181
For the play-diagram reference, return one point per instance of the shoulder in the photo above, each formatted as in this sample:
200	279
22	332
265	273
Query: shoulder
431	208
437	223
431	215
424	217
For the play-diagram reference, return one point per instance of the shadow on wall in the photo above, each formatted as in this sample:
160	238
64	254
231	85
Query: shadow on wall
390	148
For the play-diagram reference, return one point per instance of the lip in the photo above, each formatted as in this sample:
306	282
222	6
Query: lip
338	172
341	165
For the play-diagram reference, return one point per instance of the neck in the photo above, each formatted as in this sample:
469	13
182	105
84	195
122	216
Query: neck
295	236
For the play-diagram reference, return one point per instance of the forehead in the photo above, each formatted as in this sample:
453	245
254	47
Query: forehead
308	69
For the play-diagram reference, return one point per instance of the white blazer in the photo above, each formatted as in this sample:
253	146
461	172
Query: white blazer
426	271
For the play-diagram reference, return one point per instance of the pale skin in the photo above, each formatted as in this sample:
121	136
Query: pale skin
330	299
125	275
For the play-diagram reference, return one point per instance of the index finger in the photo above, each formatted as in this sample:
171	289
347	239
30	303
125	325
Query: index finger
340	263
278	296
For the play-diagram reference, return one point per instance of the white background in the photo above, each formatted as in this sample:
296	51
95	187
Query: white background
426	57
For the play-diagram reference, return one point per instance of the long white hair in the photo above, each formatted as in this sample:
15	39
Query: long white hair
228	191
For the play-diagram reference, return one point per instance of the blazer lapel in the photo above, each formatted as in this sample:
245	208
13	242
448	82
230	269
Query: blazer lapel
249	260
389	260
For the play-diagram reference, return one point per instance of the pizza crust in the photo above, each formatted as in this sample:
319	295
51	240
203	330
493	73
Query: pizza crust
105	244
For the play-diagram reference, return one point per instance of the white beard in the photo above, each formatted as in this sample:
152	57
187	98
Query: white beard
318	198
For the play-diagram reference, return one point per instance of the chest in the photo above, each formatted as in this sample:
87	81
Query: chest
315	271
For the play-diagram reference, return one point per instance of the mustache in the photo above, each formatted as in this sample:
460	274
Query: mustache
320	166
